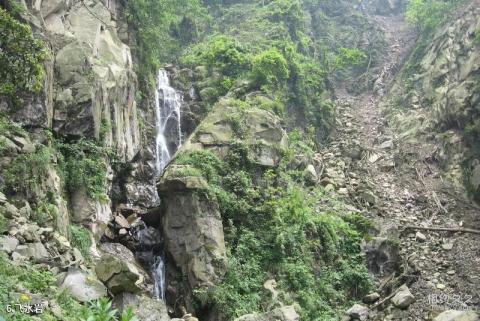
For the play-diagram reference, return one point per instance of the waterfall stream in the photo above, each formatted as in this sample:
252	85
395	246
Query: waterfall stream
169	138
158	272
167	109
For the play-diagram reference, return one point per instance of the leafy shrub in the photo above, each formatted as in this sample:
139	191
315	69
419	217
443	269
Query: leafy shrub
221	52
270	68
101	310
44	213
80	238
156	23
274	229
346	57
27	171
84	166
21	58
427	14
3	224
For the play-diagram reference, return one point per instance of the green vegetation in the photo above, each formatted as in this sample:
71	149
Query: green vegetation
428	14
25	71
282	230
22	283
34	280
80	238
101	310
26	174
44	212
270	67
84	166
161	27
3	224
477	36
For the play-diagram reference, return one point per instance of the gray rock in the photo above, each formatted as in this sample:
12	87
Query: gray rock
310	174
151	310
8	244
371	298
118	269
25	145
122	221
35	251
420	237
386	144
403	298
383	255
453	315
286	313
83	286
358	312
9	211
193	231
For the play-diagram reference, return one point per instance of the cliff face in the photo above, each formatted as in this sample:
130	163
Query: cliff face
76	154
90	85
437	97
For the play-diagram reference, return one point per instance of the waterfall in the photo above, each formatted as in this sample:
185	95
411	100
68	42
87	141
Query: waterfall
167	108
169	138
158	272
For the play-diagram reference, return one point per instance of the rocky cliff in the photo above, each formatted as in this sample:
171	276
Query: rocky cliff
436	96
76	154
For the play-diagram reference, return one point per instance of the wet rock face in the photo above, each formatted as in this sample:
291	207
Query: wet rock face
383	255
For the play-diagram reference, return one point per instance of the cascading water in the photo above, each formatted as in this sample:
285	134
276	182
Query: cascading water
168	103
158	271
169	138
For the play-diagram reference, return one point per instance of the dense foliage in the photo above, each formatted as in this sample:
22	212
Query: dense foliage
23	282
83	164
161	27
278	229
21	58
427	14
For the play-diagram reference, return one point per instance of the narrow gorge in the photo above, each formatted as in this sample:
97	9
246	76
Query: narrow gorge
224	160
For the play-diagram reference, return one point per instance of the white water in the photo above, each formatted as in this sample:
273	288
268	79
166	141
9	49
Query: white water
167	102
158	272
167	109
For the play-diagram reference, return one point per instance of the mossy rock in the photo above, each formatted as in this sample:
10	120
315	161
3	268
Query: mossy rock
230	123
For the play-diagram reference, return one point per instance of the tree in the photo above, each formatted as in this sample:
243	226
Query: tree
270	67
21	58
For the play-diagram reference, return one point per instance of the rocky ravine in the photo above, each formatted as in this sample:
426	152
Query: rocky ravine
89	92
400	185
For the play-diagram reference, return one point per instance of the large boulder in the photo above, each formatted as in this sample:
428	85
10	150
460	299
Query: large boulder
35	252
192	227
118	270
144	307
286	313
8	244
93	213
83	286
259	129
403	298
